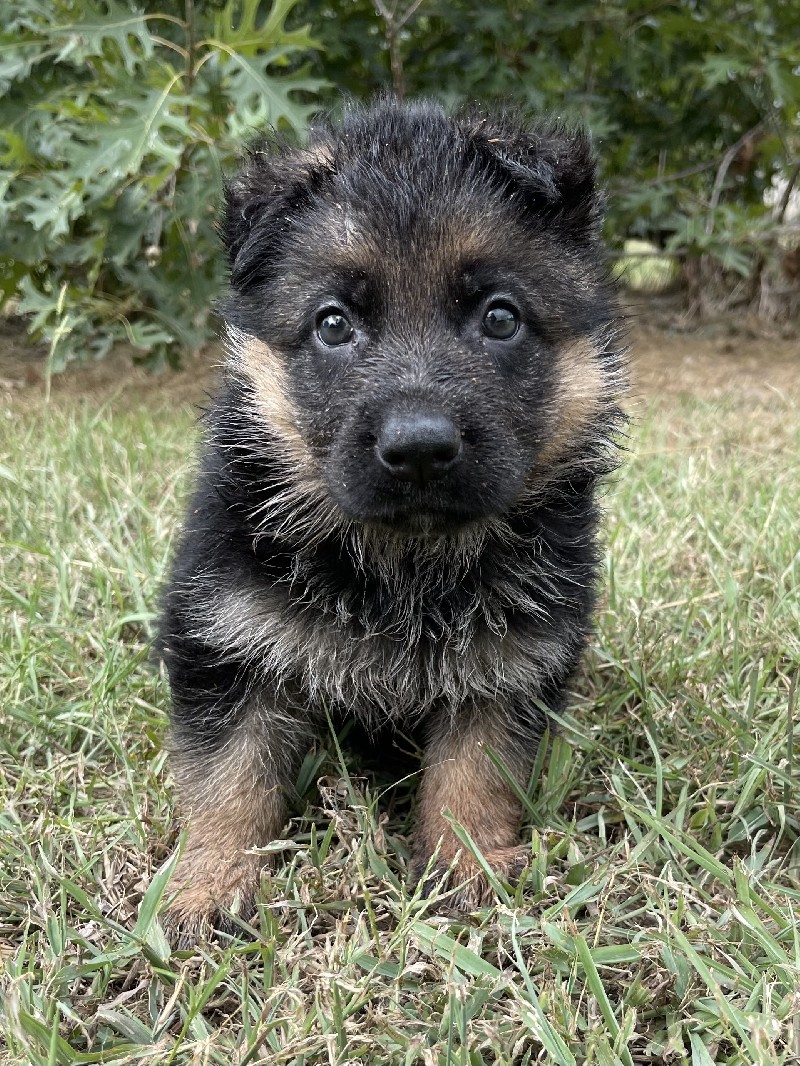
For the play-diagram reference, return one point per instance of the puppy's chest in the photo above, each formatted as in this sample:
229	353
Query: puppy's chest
399	665
390	654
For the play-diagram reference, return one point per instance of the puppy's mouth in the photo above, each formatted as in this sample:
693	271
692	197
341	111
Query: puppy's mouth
421	525
422	513
420	522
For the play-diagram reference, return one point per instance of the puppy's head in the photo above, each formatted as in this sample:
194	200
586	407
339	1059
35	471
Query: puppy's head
419	314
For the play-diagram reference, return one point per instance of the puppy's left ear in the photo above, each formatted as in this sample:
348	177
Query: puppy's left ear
552	167
274	187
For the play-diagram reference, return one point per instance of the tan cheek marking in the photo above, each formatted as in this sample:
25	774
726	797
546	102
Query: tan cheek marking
581	389
263	367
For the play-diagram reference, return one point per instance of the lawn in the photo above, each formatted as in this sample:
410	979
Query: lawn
658	922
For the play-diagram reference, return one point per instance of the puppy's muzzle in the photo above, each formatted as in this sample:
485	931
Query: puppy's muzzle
419	446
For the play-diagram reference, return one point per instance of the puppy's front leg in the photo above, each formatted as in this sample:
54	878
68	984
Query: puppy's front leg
233	796
460	777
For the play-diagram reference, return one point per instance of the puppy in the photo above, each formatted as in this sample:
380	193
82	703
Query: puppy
394	518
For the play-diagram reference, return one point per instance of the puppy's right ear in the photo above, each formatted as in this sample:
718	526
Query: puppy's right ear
263	202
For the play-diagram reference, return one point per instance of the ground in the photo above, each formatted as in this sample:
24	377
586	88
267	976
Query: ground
658	920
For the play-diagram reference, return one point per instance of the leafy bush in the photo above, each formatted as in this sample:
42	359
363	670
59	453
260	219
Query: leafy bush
115	127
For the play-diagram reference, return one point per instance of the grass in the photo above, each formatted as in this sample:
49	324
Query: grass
658	922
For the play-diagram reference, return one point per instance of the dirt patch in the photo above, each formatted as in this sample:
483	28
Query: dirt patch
723	360
742	364
118	380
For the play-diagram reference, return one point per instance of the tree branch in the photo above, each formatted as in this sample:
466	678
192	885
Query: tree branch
393	24
727	159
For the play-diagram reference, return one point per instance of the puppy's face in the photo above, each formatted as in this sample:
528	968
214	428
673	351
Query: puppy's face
416	311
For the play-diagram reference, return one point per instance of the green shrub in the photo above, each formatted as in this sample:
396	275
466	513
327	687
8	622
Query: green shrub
116	125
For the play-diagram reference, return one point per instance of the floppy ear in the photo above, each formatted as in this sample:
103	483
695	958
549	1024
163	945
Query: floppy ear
275	185
551	166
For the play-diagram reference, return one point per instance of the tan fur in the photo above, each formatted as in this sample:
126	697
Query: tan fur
232	806
263	367
302	505
460	778
316	155
581	389
447	243
464	239
312	157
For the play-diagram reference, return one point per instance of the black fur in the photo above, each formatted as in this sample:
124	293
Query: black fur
318	582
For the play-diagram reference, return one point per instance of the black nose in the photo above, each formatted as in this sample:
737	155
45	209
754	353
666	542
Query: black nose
418	446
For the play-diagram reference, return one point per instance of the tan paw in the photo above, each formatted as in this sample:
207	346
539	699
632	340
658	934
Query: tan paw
204	904
466	887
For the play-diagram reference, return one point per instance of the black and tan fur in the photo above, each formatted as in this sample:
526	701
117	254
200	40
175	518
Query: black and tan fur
321	574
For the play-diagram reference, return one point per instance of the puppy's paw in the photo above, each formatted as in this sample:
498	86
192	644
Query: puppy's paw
204	904
465	886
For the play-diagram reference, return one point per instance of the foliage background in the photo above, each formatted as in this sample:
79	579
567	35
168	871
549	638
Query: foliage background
117	121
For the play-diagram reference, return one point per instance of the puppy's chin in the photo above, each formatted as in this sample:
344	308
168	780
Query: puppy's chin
424	525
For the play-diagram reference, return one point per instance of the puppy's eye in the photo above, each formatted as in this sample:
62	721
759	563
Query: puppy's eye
333	327
501	322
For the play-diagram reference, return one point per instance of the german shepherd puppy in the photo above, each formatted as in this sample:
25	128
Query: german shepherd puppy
395	517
